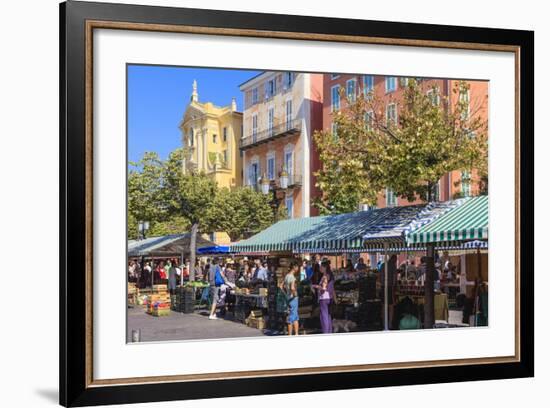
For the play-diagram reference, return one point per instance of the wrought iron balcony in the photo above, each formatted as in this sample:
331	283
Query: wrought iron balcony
292	127
294	181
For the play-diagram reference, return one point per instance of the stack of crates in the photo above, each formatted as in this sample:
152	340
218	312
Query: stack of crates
184	300
158	302
133	293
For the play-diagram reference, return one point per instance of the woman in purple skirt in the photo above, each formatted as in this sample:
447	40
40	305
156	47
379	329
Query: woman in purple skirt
326	295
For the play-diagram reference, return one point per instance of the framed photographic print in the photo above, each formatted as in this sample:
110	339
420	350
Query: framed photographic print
256	204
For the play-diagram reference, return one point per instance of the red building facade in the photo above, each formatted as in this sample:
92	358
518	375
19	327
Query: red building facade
389	90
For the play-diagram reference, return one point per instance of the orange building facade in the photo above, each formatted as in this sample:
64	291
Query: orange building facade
390	92
281	112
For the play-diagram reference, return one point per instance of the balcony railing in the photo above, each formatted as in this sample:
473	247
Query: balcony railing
284	129
294	180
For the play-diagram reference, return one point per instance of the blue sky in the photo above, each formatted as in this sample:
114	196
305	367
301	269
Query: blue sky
158	95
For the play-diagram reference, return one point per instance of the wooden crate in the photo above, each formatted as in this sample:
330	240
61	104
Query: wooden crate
256	323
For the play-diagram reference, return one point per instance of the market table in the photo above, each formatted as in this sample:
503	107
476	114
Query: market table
244	303
253	299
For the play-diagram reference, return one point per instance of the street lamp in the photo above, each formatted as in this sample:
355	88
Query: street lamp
283	179
143	227
264	184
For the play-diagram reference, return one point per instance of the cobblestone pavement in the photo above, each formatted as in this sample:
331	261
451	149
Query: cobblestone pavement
180	326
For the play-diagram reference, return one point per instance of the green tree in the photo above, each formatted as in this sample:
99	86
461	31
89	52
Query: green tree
145	197
175	224
240	212
371	151
188	197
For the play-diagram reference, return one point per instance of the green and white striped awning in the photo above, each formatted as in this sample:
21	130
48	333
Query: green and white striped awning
342	233
312	234
469	221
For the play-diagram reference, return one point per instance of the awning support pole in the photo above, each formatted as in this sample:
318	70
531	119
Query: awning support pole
386	291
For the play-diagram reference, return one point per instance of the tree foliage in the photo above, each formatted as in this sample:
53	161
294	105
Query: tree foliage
174	202
370	151
151	182
240	212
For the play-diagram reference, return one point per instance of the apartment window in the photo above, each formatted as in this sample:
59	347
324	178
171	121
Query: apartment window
368	84
289	204
289	163
369	120
391	114
403	81
435	192
351	89
465	99
225	158
253	174
225	134
466	183
271	166
214	138
254	96
433	96
270	88
254	127
191	136
334	76
391	84
288	114
288	79
391	198
334	130
270	120
335	98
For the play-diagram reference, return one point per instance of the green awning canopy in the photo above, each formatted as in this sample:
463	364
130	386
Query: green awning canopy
333	233
469	221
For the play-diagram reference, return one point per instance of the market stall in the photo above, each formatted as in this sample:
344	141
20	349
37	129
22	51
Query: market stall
153	292
463	230
161	249
387	235
337	235
287	241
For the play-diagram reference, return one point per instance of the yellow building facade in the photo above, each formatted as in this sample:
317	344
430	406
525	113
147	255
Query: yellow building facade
210	137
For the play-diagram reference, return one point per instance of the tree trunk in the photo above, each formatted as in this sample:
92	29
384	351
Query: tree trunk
429	319
193	250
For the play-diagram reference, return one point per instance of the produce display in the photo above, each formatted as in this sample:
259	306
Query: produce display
410	290
196	284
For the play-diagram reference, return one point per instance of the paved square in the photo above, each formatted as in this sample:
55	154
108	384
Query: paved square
180	326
